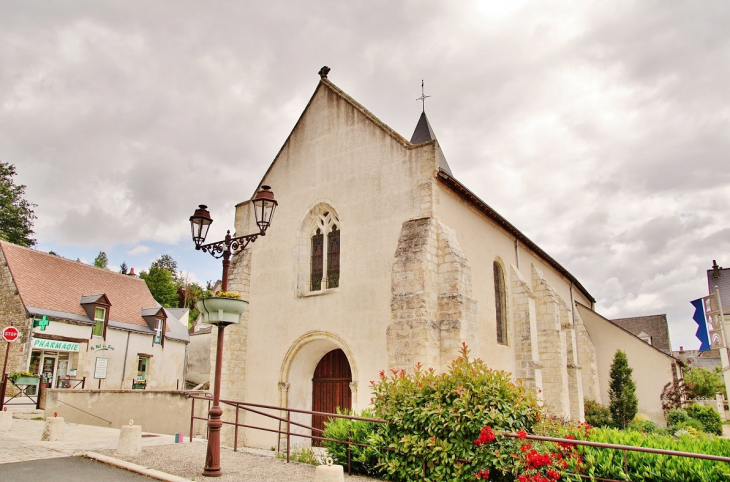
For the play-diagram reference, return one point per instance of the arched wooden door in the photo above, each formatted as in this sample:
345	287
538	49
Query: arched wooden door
330	388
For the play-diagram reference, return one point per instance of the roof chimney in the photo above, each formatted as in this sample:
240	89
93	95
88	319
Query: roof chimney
715	269
131	272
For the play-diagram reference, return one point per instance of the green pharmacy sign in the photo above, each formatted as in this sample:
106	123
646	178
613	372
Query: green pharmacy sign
41	344
42	323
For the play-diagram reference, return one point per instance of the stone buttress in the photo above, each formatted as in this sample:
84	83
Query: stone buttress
432	309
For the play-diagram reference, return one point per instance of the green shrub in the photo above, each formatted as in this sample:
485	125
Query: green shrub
687	424
433	420
643	426
646	467
676	415
363	459
597	415
707	416
303	455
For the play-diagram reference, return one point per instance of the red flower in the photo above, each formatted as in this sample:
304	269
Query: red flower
525	447
482	474
521	434
485	436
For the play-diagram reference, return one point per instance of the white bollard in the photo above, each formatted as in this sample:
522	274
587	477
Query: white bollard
130	439
6	420
54	430
329	472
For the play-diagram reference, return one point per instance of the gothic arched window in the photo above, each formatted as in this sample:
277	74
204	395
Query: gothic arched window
500	302
325	262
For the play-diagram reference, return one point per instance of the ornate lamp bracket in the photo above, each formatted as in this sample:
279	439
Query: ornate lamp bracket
231	245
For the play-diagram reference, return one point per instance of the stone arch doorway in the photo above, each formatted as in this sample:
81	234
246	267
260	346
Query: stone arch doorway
330	388
297	374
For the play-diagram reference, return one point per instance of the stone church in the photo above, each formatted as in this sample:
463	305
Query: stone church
379	258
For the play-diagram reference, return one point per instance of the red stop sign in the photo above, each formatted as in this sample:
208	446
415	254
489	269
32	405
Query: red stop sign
10	333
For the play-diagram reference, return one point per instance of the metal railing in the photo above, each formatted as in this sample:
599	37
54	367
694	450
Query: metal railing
22	393
70	383
254	408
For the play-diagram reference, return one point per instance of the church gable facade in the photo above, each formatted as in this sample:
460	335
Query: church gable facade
379	259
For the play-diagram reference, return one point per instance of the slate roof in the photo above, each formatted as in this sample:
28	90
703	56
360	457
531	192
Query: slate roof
50	284
722	283
653	325
424	133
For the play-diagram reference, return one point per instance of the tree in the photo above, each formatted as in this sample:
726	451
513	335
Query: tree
702	383
166	262
673	395
190	292
101	261
162	286
123	267
622	391
16	213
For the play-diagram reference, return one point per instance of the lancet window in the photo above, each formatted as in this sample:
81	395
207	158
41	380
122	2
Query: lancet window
325	262
500	301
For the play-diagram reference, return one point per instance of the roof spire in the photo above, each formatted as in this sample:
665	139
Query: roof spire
423	97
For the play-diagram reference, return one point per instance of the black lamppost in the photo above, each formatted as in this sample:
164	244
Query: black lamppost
264	206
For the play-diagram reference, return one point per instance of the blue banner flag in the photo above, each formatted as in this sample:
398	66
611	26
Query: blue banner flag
699	318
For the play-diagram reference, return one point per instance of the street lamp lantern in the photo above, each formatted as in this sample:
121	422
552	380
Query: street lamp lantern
264	205
200	221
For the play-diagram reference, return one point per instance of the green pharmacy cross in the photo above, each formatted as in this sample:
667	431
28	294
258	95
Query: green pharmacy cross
43	323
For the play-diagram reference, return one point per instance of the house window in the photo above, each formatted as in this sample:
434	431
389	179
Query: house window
99	316
159	328
325	257
500	302
140	381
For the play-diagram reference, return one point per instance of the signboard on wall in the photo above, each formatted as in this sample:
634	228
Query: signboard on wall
52	345
100	368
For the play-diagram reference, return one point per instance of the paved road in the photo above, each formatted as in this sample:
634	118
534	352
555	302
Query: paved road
66	469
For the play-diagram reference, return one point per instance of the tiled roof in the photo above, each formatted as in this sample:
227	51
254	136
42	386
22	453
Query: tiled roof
58	284
653	325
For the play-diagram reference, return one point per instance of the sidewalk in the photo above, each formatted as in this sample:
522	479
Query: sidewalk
23	441
159	452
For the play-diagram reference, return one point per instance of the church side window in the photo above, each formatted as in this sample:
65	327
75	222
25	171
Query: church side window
500	301
317	260
333	258
325	254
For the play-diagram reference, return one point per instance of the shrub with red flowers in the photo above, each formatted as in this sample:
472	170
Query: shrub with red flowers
440	424
532	461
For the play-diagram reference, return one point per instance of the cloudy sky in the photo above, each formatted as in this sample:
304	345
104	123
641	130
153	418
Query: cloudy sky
600	129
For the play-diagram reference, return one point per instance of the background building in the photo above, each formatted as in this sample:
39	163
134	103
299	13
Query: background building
78	321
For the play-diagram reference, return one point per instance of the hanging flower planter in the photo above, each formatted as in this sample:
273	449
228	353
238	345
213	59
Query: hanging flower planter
222	310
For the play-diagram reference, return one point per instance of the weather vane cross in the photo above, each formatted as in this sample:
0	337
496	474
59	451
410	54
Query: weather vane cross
423	97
